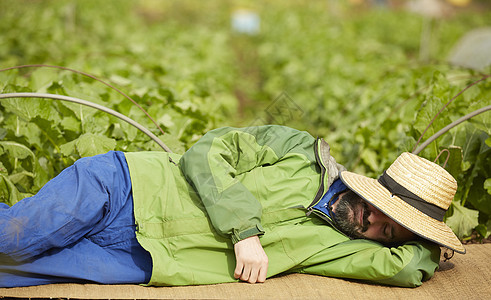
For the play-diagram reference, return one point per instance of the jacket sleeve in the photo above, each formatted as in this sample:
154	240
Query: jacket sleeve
213	163
407	265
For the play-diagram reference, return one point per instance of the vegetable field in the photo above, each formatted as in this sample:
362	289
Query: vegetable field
353	74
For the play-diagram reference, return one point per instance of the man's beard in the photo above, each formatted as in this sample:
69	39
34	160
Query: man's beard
345	216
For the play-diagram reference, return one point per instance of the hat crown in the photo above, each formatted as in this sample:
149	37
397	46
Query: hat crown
424	178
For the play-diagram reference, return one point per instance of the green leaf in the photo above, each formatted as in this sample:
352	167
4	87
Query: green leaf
430	109
369	157
49	133
68	149
22	180
166	120
470	139
29	108
117	131
3	170
454	164
487	185
477	195
43	173
81	112
173	143
463	220
16	150
98	124
3	132
120	81
90	144
130	132
71	123
488	232
41	79
27	131
482	231
8	192
483	120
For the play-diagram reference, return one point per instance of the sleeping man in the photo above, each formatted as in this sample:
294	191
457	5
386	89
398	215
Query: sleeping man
241	204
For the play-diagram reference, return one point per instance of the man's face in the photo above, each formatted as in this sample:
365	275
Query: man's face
359	219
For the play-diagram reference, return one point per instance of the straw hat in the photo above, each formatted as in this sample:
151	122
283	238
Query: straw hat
415	193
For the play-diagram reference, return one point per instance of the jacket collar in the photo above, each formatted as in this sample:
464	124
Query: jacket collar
330	169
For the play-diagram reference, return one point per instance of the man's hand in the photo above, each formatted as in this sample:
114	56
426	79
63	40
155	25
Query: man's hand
252	261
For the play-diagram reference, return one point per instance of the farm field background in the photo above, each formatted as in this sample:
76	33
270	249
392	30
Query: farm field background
367	78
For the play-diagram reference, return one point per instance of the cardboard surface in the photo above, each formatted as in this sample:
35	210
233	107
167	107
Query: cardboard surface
463	277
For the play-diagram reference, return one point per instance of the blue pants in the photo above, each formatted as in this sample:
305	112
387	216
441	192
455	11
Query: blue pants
79	227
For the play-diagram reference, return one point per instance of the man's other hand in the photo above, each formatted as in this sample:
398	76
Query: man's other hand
252	261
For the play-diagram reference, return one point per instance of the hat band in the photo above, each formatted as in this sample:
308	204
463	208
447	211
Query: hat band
410	198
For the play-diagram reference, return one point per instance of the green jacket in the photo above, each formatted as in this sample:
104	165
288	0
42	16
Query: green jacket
234	183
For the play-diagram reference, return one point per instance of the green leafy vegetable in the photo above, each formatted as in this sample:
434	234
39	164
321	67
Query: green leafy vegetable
350	77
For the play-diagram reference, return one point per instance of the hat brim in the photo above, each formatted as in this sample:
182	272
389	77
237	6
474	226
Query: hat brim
401	212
